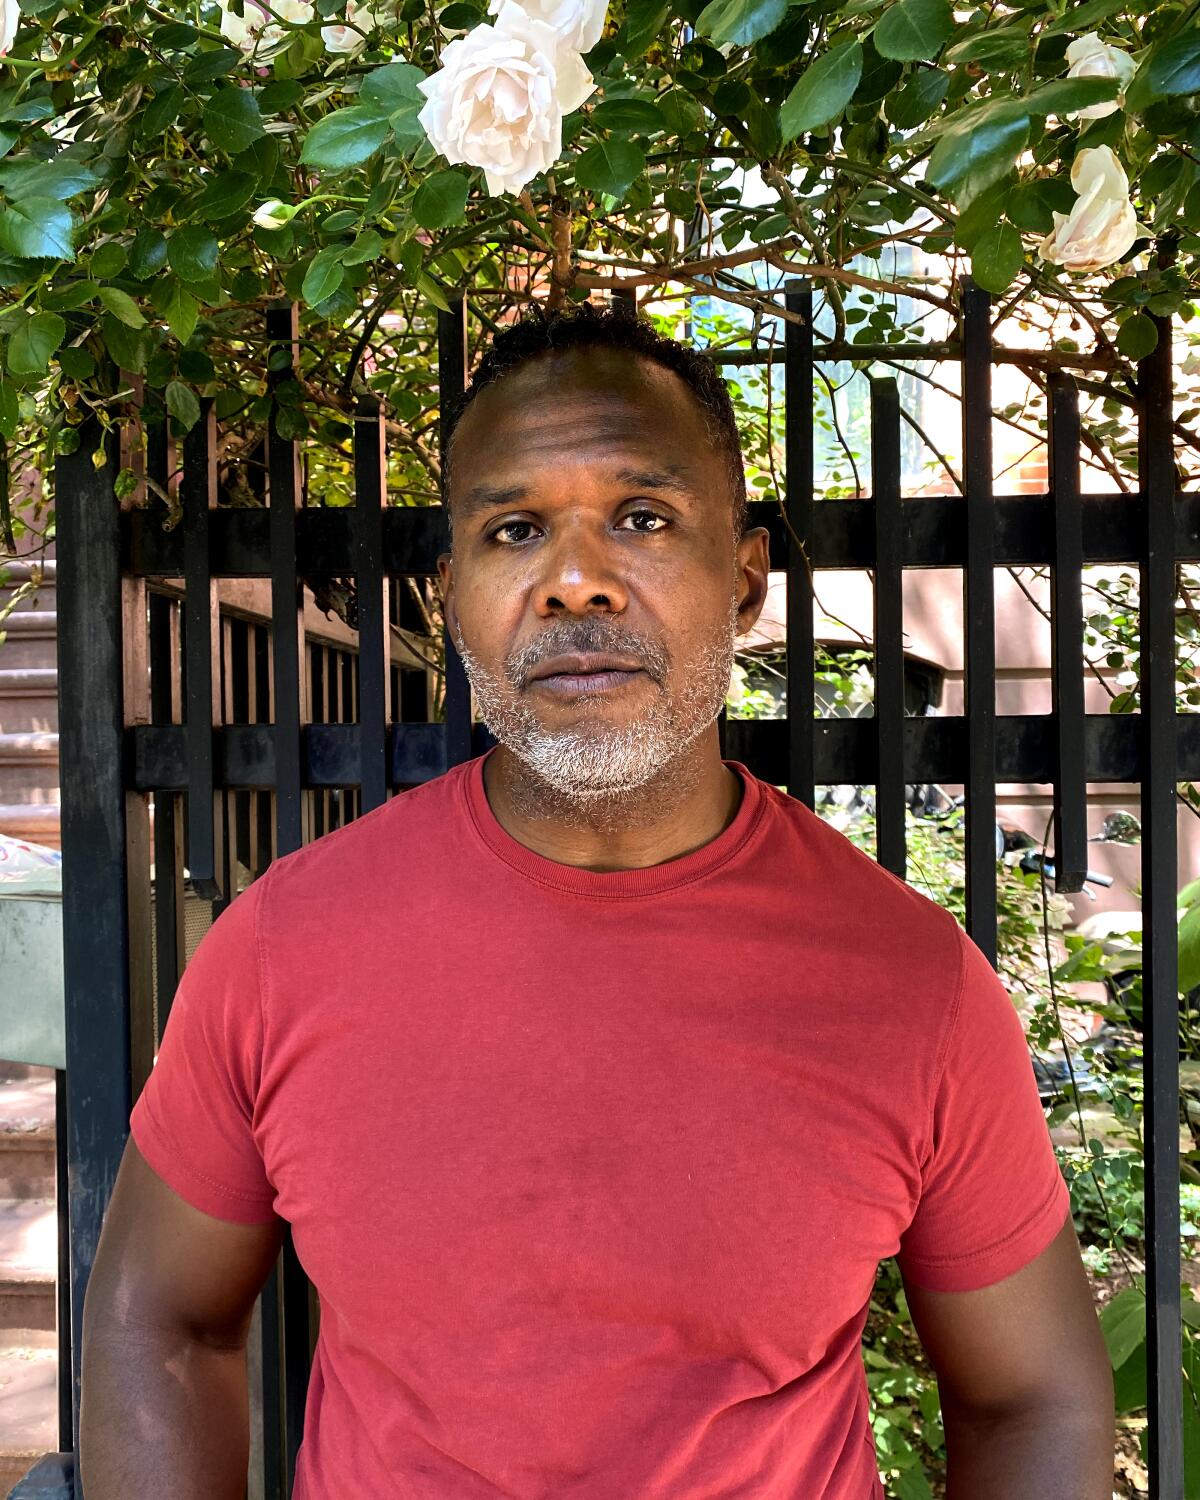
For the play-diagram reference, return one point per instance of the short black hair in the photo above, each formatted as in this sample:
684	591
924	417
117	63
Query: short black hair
584	324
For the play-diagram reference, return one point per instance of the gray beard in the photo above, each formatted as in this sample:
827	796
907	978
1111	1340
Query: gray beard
592	771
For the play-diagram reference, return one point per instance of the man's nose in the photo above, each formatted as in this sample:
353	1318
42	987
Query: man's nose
580	577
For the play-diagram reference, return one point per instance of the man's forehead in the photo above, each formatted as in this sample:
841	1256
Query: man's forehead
604	414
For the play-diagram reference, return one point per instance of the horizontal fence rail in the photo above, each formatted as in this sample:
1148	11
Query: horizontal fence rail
251	739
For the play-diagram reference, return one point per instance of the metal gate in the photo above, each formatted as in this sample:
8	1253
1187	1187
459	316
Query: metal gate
218	721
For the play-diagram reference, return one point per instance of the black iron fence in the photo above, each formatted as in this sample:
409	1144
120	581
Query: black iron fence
250	743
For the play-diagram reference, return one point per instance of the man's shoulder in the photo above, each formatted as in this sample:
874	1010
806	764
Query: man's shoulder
408	832
851	893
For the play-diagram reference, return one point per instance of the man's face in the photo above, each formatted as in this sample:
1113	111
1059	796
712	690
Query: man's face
595	587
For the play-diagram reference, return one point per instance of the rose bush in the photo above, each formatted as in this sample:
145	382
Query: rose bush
165	168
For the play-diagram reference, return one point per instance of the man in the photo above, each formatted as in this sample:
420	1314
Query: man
596	1077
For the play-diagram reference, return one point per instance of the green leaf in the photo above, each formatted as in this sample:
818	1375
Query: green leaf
441	200
122	306
1137	336
609	166
1189	949
183	404
641	115
232	119
914	30
33	341
345	138
920	97
393	91
162	110
130	347
1123	1322
366	247
911	1484
822	91
148	253
643	21
1172	70
10	409
429	289
37	229
1004	47
1081	18
978	148
391	86
28	177
79	364
324	275
741	22
192	252
220	62
224	194
180	309
997	258
1063	96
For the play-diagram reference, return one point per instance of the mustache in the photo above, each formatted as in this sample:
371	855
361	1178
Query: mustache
588	636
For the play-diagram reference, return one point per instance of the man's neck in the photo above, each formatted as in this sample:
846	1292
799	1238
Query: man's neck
685	807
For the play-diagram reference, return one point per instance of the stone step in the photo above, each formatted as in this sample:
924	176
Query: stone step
28	1264
21	570
39	822
28	1410
29	638
27	1135
28	700
28	766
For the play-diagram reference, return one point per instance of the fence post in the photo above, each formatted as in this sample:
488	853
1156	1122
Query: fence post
1160	957
95	883
798	509
452	382
979	617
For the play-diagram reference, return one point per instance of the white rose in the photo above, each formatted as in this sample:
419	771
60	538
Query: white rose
1091	58
10	14
579	22
499	98
1102	224
257	30
273	214
339	37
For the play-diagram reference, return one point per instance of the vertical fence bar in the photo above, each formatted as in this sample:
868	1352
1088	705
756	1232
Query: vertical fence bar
1066	639
285	1298
798	511
168	815
1160	958
452	382
374	628
979	599
889	627
205	825
95	894
135	694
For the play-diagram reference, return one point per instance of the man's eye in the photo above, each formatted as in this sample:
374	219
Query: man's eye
512	532
647	521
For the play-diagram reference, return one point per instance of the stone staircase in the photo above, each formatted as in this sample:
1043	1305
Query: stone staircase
28	1226
29	705
28	1263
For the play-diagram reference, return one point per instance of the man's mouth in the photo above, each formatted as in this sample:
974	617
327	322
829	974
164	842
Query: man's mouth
572	676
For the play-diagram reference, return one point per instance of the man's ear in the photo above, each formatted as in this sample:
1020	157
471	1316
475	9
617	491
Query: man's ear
754	575
445	567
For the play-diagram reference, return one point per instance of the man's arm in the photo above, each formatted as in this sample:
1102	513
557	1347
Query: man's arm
164	1407
1025	1382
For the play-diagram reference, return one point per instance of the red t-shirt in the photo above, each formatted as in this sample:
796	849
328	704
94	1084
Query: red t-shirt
593	1171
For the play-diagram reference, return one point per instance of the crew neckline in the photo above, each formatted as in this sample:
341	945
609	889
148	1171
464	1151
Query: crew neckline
651	880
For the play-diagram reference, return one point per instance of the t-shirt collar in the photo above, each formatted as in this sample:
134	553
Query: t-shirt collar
649	881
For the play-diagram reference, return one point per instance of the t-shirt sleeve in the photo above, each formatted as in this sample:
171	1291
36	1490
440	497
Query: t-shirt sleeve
992	1196
193	1121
